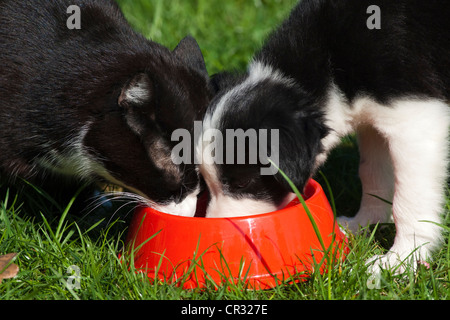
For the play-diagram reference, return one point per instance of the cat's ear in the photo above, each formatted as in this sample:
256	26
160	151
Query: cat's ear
189	52
136	92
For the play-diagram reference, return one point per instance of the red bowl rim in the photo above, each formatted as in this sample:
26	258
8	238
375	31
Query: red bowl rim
171	217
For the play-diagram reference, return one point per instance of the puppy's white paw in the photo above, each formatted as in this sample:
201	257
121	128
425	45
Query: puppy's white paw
390	261
396	263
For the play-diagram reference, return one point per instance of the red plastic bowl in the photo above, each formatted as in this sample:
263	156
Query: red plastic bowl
262	250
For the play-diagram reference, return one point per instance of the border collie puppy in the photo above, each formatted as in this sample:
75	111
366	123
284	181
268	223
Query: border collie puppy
97	102
326	73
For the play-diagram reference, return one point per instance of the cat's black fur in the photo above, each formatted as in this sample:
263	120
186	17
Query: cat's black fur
101	101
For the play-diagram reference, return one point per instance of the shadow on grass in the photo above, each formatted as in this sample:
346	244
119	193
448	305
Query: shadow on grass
341	171
49	201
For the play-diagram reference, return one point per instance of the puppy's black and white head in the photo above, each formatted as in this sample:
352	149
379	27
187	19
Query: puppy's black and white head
255	117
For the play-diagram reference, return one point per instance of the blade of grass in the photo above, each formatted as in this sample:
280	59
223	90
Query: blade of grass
308	212
44	194
380	198
58	233
330	192
326	251
438	224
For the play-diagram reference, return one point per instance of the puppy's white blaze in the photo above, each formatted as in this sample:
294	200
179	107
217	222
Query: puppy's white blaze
208	170
258	72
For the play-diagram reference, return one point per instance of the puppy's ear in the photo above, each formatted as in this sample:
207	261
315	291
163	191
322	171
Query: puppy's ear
300	144
189	52
136	92
224	80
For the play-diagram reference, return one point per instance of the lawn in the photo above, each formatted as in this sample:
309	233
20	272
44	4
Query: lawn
51	237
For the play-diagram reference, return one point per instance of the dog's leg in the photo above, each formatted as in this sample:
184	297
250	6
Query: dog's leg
417	133
376	174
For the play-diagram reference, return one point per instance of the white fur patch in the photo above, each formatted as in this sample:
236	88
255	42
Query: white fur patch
258	72
222	206
339	119
138	93
186	208
77	163
73	162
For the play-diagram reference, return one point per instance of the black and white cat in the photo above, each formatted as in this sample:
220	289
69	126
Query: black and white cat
97	101
325	73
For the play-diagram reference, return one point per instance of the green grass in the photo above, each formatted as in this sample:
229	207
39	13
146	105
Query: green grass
227	31
50	235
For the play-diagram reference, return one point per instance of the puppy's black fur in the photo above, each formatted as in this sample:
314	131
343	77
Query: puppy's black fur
99	102
325	41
